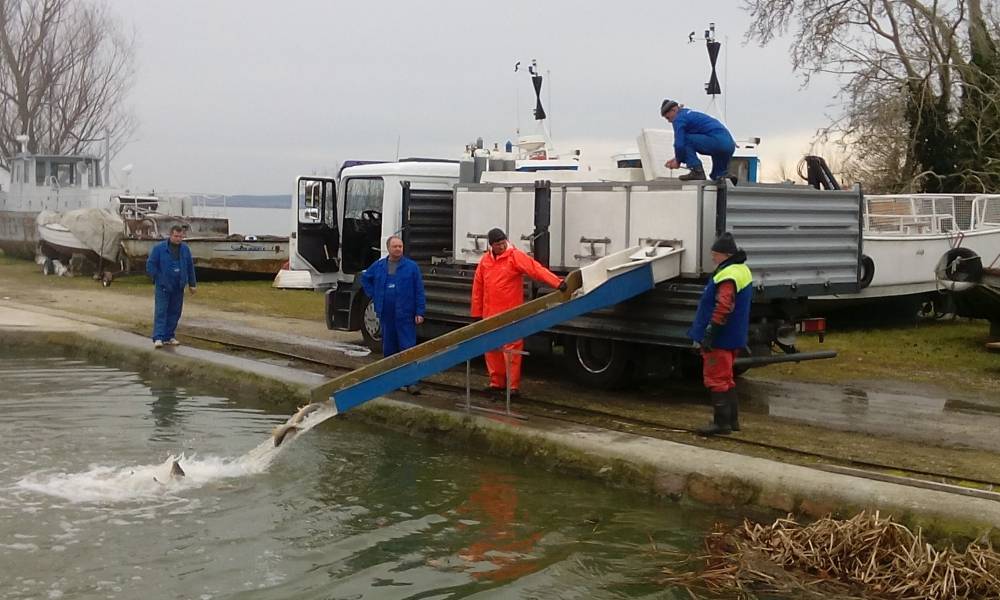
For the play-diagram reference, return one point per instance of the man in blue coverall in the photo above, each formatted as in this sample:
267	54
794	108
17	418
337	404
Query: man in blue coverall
697	133
396	288
171	267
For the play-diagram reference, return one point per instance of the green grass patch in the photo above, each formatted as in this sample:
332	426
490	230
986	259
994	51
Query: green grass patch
253	297
949	353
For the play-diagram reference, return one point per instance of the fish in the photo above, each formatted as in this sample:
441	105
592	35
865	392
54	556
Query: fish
175	471
289	429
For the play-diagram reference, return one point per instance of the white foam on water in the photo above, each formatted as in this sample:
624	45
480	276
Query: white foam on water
102	484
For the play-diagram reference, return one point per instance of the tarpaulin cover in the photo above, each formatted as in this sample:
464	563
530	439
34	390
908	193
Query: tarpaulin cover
98	229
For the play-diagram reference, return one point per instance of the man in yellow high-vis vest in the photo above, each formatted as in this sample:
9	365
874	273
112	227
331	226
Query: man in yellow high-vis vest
721	328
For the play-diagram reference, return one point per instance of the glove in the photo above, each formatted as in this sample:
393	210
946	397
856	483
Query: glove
706	342
562	285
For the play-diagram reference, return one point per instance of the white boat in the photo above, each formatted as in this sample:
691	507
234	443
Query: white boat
258	255
61	239
906	234
213	248
58	183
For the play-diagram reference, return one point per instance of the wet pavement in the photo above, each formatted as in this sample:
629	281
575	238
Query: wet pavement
916	413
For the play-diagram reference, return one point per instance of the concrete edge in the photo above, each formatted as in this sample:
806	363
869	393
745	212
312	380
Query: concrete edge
661	467
678	471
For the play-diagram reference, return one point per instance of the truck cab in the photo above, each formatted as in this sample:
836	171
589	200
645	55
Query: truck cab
342	226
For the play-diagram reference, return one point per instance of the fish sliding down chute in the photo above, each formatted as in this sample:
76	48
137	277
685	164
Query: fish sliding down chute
605	282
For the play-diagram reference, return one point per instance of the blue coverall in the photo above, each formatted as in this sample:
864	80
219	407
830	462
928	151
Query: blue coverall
697	133
398	298
170	275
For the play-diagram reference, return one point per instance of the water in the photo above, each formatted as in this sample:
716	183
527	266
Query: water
252	220
343	512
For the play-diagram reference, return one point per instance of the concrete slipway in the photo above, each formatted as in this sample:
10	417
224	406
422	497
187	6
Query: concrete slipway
662	467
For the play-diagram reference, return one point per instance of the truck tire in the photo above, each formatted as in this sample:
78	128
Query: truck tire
48	267
371	329
599	362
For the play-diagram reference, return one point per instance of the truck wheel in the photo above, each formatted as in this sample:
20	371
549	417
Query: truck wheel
48	268
371	329
599	362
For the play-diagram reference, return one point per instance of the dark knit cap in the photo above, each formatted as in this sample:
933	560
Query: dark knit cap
666	106
725	244
496	235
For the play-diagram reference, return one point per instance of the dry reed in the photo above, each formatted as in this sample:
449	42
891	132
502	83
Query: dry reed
867	555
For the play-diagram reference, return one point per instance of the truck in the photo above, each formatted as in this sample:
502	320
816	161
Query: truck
800	241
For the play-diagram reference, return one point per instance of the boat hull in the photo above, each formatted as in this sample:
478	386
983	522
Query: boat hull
19	233
905	266
261	256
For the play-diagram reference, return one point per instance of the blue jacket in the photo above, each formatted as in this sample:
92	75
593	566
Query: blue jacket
159	267
410	300
690	121
732	335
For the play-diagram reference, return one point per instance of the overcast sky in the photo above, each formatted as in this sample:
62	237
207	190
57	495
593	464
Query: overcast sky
239	96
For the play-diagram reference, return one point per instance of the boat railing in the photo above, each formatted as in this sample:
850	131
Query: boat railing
931	214
986	211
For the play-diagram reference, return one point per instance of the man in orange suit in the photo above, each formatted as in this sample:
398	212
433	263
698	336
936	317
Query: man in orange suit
498	287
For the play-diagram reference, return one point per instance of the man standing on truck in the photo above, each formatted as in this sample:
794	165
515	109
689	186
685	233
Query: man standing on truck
171	267
720	329
396	288
497	287
697	133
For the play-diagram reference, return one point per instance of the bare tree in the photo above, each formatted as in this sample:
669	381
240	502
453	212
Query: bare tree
66	68
919	80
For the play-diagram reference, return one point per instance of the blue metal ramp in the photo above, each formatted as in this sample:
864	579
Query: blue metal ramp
608	281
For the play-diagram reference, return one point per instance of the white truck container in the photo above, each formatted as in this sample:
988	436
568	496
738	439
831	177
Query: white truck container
800	242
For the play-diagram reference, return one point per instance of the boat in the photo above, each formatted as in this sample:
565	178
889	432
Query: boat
905	235
86	234
58	183
213	248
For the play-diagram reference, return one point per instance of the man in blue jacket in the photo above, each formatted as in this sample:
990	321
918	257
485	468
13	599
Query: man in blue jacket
396	287
697	133
720	329
171	267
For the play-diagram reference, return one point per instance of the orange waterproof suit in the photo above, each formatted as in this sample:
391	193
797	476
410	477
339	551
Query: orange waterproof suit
497	287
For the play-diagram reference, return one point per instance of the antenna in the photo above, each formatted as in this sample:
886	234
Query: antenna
398	136
725	77
127	169
548	74
712	87
517	101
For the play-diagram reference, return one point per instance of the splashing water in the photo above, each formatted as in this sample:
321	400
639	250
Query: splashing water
154	482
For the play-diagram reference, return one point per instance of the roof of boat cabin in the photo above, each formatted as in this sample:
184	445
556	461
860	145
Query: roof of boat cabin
57	156
404	169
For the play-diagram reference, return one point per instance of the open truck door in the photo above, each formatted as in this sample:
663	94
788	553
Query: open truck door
317	234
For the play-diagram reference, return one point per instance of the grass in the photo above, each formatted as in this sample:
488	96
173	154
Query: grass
254	297
950	353
947	352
